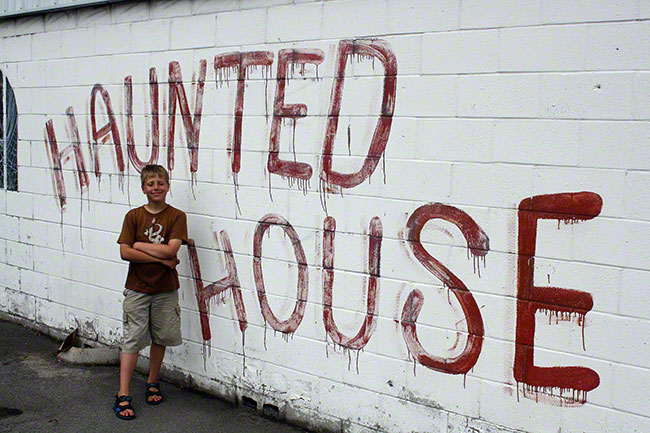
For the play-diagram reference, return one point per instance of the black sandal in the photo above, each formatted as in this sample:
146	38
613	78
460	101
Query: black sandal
151	393
119	409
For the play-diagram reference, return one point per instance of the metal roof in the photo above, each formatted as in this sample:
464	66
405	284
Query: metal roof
12	8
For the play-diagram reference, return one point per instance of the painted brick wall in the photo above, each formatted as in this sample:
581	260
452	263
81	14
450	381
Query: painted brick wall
417	215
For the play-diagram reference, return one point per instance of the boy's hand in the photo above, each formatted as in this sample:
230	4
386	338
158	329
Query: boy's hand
170	263
162	251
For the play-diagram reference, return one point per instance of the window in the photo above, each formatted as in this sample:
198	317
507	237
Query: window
8	136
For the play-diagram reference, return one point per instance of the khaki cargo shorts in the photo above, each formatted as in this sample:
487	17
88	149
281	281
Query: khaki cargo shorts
150	318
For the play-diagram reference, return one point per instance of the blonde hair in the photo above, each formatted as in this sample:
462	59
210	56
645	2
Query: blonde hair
151	170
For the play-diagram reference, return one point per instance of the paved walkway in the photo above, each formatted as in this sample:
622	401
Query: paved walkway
40	394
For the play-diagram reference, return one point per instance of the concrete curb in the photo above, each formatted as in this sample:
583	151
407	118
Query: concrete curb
91	355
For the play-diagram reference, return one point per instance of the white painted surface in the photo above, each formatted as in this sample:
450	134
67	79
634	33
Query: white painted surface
495	102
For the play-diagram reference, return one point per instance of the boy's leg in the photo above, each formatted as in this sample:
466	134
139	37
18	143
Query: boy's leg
127	367
156	356
136	336
165	331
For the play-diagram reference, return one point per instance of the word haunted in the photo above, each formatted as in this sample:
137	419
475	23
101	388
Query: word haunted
239	63
570	382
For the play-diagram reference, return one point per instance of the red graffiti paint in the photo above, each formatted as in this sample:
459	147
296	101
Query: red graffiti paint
567	207
55	162
241	63
290	325
374	259
155	121
362	49
281	111
76	149
205	293
479	245
192	123
57	158
101	136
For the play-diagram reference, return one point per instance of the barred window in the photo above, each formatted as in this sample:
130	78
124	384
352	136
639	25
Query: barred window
8	136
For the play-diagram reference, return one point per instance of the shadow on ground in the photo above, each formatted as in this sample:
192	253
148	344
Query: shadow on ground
40	394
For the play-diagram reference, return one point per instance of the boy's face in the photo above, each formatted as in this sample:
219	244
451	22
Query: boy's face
156	189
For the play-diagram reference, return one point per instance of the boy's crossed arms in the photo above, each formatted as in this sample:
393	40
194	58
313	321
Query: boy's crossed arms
144	252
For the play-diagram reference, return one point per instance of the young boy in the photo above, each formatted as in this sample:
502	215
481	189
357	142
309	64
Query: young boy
151	236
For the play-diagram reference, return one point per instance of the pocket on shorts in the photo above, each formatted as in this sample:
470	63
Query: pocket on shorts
175	319
131	307
130	301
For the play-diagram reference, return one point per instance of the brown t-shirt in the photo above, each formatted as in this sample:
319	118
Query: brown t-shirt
142	226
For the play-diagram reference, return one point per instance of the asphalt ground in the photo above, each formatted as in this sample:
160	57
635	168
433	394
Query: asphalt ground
38	393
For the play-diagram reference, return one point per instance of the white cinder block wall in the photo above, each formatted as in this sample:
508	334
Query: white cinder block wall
483	265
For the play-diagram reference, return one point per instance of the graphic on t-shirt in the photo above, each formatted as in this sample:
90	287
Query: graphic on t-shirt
153	232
